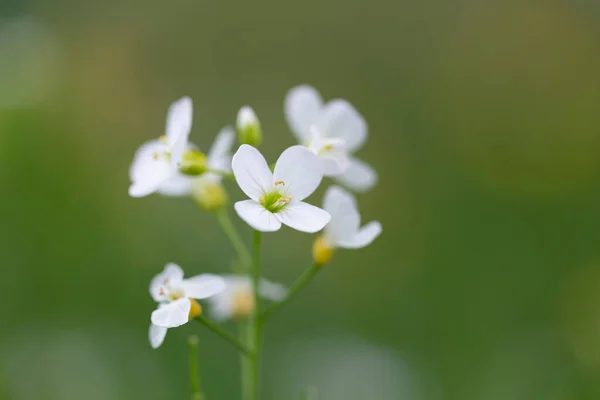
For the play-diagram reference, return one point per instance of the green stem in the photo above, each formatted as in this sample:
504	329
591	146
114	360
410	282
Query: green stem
224	174
298	285
195	386
224	334
254	329
234	238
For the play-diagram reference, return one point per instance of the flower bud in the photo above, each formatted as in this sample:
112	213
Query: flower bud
210	194
321	250
248	127
193	163
195	309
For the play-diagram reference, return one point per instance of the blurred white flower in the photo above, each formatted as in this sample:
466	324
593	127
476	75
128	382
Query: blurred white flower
333	131
344	228
276	197
175	296
237	300
156	162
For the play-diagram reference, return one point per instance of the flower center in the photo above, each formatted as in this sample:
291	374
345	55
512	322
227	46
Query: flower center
171	293
275	201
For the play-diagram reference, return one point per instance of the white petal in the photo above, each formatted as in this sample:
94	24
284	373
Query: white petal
173	314
334	163
219	156
149	177
364	237
171	273
143	155
300	171
272	291
359	176
345	219
251	172
304	217
177	185
179	124
340	119
156	334
302	106
255	215
203	286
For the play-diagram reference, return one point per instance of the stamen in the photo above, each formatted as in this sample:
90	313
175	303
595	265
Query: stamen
277	183
327	147
155	156
166	281
163	139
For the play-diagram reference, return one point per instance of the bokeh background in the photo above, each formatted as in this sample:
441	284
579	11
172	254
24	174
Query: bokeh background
484	123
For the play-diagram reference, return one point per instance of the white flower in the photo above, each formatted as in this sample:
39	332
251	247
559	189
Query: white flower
156	162
237	300
276	197
248	127
175	297
332	130
344	228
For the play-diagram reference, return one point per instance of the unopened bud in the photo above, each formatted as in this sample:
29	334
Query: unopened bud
193	163
248	127
195	309
209	194
322	251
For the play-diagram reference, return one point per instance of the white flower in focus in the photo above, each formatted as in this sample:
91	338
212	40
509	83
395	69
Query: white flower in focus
276	197
237	300
176	299
333	131
156	162
344	228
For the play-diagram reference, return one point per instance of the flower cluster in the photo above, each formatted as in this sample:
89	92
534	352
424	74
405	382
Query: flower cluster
328	133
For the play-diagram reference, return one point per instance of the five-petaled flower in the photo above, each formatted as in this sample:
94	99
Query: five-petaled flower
333	131
176	298
156	162
276	197
237	300
344	228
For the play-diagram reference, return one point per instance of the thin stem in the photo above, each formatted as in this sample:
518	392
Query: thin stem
298	285
224	334
224	174
254	333
247	360
195	386
234	238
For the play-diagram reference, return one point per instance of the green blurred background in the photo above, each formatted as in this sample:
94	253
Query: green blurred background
484	123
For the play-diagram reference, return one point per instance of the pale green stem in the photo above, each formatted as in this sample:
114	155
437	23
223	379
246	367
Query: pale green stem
224	174
234	238
296	287
195	386
250	371
225	335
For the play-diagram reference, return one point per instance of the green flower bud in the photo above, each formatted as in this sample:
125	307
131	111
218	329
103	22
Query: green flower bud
248	127
210	194
193	163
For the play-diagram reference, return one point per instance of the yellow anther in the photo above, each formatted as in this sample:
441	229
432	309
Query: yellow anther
243	304
163	139
195	309
322	252
261	199
277	183
327	147
155	156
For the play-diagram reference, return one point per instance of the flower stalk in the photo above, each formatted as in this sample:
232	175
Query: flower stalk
234	238
195	385
225	335
303	280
